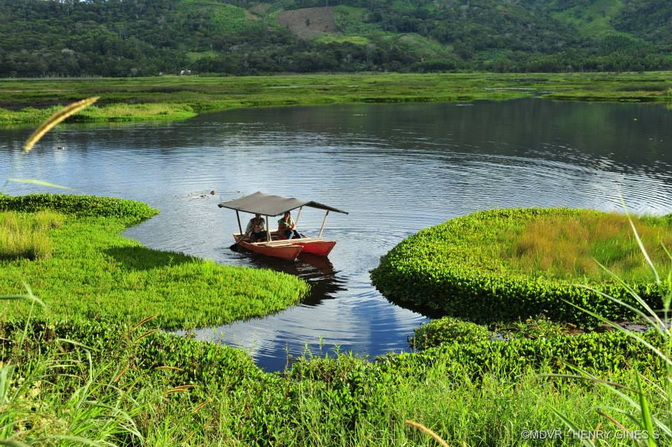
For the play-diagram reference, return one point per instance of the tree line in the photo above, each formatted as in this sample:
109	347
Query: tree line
148	37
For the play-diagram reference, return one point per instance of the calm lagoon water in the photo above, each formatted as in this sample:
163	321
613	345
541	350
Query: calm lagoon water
395	168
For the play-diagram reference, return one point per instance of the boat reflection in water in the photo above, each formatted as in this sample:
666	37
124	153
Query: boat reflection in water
267	338
318	271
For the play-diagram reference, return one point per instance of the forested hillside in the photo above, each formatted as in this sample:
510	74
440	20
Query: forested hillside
149	37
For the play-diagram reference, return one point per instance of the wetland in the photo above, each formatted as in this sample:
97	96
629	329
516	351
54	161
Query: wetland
397	168
325	371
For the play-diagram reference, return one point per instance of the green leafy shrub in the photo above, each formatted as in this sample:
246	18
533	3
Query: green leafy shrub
461	268
607	352
447	330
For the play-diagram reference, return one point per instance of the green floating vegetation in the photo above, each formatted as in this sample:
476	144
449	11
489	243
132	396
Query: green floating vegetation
94	273
122	384
610	352
512	264
79	206
447	330
112	113
135	113
451	330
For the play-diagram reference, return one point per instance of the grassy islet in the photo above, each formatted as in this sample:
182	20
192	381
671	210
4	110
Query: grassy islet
94	273
519	263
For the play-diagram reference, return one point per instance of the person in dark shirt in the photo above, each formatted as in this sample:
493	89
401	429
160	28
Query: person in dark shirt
287	227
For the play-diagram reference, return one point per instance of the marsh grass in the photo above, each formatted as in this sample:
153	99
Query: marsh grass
27	236
132	99
560	246
646	417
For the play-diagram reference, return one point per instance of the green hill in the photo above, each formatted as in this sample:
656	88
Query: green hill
148	37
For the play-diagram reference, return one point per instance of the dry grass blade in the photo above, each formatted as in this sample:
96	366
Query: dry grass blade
427	431
179	389
614	421
172	368
146	334
200	406
143	321
186	441
121	373
56	118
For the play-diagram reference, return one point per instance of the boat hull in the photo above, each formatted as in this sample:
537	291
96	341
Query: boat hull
285	251
319	248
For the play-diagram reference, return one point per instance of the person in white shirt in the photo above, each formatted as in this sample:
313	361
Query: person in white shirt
256	230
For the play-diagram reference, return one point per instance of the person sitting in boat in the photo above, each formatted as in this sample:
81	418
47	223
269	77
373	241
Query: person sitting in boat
255	230
287	227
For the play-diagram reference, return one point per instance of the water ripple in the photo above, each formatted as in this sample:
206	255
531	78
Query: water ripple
396	169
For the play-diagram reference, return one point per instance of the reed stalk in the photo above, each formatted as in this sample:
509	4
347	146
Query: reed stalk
58	117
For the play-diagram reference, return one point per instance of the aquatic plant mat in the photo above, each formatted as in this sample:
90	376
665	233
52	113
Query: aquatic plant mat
69	250
125	385
92	369
520	263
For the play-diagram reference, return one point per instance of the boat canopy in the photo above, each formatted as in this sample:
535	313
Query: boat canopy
269	205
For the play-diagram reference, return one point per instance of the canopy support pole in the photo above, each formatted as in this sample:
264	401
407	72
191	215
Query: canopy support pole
298	216
268	231
324	221
240	227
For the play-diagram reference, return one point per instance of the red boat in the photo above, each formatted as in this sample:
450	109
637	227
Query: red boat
319	247
274	245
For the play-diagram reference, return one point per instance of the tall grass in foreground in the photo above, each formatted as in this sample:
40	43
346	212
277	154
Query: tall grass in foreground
53	398
61	396
647	418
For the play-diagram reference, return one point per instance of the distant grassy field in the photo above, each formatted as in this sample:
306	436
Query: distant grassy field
182	97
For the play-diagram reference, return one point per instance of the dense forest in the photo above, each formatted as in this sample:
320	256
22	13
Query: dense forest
40	38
